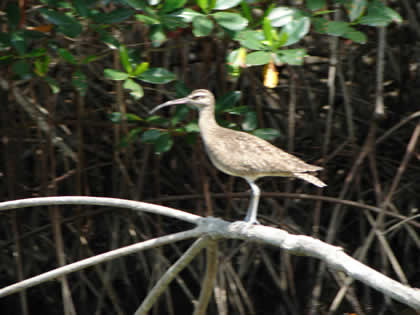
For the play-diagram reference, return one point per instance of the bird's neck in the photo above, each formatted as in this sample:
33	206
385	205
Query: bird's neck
207	120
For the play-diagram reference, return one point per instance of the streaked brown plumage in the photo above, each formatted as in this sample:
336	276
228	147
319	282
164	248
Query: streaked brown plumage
241	154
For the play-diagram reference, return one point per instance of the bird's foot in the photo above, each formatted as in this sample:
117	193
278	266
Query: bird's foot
252	221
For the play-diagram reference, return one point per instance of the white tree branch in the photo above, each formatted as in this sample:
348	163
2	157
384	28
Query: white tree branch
333	256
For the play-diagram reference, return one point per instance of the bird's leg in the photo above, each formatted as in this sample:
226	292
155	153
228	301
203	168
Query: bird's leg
251	216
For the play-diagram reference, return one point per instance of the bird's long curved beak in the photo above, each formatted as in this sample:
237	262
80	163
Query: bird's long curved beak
170	103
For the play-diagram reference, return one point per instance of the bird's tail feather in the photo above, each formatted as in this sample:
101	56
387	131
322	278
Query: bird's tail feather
311	179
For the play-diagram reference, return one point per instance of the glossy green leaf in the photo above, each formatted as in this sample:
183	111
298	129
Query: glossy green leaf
181	111
230	21
258	58
115	74
146	19
157	76
108	39
67	56
335	28
296	30
163	143
202	26
192	127
226	4
204	5
228	100
135	89
267	133
125	60
65	24
41	65
17	40
117	117
281	16
356	36
355	9
116	16
150	136
268	31
314	5
379	15
250	39
142	67
250	121
171	5
291	56
157	35
187	15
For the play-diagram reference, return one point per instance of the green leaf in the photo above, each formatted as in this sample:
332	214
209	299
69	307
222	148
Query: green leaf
13	15
314	5
355	9
291	56
157	76
132	135
116	16
79	82
334	28
117	117
204	5
171	5
55	88
115	74
65	24
150	136
41	65
379	15
281	16
108	39
230	21
296	30
356	36
157	120
124	59
142	67
258	58
67	56
157	35
228	100
250	121
136	90
268	31
146	19
250	39
192	127
187	15
267	133
17	40
226	4
164	143
136	4
202	26
181	112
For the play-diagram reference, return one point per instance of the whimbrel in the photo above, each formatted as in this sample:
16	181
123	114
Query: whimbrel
241	154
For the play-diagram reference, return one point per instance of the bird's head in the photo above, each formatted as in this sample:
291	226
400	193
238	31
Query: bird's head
198	99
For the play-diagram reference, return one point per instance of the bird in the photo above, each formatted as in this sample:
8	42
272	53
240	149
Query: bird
241	154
